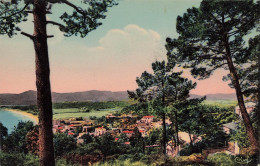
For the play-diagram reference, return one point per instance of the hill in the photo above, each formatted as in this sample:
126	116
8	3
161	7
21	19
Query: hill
29	97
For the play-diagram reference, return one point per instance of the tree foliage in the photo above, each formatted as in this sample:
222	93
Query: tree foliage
161	89
79	21
63	144
212	37
16	141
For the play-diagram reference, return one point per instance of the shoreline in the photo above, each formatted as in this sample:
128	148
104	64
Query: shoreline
34	117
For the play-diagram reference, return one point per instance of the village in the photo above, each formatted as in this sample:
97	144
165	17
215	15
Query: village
126	123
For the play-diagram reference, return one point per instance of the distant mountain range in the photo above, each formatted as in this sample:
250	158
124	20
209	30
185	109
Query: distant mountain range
29	97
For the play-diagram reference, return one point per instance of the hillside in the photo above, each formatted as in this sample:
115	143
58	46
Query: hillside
29	97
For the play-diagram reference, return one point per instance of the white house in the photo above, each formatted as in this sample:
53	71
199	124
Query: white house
249	107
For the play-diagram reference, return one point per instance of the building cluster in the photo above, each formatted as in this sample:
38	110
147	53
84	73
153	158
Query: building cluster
116	125
79	127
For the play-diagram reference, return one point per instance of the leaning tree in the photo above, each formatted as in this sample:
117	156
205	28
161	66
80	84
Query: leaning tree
80	20
212	37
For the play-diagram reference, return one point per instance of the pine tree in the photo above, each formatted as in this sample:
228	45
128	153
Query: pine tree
81	21
212	37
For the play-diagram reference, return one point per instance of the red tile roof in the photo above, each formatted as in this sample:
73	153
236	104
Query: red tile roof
148	116
127	131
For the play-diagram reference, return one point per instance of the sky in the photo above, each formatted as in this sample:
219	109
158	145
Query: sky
109	58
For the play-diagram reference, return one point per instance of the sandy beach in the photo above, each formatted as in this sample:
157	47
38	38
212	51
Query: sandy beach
34	117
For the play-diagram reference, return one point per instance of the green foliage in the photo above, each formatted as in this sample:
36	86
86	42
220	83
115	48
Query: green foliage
63	144
221	103
206	31
83	21
140	108
91	105
107	145
127	162
10	16
240	136
3	133
195	148
16	141
18	159
63	162
87	138
249	73
153	137
74	113
222	159
137	142
104	145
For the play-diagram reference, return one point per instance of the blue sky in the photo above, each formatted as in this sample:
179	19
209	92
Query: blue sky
109	58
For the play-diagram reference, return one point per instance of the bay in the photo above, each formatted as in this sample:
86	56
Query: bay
10	119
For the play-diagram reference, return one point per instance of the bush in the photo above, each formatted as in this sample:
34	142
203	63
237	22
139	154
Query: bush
63	144
18	159
127	162
221	159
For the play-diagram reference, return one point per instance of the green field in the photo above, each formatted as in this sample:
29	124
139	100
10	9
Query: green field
221	103
75	112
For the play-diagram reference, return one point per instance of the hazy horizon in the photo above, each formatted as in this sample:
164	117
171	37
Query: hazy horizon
109	58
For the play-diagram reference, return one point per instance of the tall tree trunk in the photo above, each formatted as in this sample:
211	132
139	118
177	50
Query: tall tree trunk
43	85
258	110
191	143
235	81
177	128
164	141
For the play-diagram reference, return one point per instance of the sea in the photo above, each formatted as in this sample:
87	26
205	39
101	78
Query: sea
10	119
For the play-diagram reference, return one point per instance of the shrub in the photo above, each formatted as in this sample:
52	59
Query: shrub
18	159
127	162
221	159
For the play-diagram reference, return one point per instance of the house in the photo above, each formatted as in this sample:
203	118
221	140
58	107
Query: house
229	127
142	131
147	119
250	106
56	122
89	122
99	131
128	133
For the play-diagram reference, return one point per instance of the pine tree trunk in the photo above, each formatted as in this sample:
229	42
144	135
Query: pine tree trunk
191	143
177	128
235	81
164	134
43	85
258	110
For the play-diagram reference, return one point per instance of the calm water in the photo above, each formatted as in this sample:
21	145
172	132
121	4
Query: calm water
11	119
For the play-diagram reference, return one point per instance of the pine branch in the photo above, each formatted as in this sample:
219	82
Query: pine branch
55	23
28	35
25	6
78	9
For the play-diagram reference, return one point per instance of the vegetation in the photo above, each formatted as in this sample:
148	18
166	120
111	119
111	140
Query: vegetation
161	89
80	21
16	141
91	105
212	37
